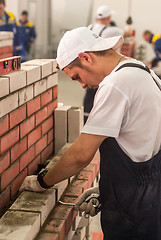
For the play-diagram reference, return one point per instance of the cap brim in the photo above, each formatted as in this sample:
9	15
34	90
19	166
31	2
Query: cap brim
107	43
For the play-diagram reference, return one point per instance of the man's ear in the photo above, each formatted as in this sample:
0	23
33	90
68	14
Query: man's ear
84	56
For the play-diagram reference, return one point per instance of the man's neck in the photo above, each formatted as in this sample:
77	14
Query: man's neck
111	61
104	22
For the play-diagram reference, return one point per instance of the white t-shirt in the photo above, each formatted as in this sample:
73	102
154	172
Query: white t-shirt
106	31
127	106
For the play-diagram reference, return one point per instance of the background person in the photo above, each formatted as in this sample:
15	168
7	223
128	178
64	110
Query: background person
155	41
27	32
8	23
105	28
125	125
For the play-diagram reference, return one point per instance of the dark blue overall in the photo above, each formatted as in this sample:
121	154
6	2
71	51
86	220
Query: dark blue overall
130	194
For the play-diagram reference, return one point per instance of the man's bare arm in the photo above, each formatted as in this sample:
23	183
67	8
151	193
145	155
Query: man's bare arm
78	156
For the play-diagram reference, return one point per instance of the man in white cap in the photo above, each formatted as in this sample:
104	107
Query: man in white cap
125	124
103	27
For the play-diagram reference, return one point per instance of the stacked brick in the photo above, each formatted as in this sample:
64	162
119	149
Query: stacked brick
6	44
68	123
28	98
40	216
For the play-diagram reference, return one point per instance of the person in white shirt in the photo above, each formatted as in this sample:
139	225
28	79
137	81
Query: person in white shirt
125	125
104	28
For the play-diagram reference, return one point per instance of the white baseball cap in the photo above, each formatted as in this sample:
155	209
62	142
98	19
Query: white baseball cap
83	40
104	11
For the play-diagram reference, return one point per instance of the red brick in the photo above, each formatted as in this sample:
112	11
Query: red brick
96	160
47	152
4	124
56	226
9	139
63	213
16	184
41	115
18	149
47	125
50	136
8	176
4	198
17	116
33	166
71	200
97	167
26	158
69	220
83	184
91	167
33	106
48	236
41	144
27	126
34	136
4	161
73	191
6	55
55	92
7	49
52	106
46	97
97	236
86	175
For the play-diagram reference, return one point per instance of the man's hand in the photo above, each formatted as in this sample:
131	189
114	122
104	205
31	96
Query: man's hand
31	183
89	202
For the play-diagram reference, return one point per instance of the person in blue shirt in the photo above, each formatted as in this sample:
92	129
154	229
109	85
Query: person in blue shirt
155	41
27	31
8	23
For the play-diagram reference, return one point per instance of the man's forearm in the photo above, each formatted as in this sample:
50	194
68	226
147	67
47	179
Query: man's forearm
65	168
73	160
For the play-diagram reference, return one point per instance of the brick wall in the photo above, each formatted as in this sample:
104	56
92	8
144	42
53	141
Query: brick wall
40	216
28	98
6	44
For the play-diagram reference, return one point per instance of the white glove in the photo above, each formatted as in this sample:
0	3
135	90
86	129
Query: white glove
30	183
89	202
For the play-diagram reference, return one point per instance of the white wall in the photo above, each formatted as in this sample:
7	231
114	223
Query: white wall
13	6
145	15
68	14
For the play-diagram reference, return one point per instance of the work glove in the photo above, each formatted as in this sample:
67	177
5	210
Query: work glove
31	183
89	202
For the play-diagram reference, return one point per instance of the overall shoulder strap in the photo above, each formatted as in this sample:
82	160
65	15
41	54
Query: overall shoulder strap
102	30
91	27
141	67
